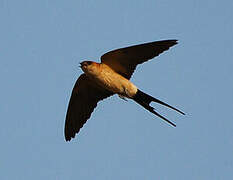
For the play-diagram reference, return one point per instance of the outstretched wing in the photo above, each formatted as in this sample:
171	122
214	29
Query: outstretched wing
125	60
84	99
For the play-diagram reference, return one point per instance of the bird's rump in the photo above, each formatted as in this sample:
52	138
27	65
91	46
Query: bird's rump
125	60
84	98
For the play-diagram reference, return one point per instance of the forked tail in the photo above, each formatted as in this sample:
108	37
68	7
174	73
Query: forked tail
144	100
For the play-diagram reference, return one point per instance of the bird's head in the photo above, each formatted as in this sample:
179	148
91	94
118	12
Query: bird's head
88	67
85	64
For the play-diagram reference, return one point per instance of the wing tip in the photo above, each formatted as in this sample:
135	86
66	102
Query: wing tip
70	134
172	41
68	137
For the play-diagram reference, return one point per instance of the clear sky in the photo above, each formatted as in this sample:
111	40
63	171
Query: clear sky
41	44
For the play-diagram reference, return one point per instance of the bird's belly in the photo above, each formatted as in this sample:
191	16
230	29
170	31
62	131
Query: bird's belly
116	83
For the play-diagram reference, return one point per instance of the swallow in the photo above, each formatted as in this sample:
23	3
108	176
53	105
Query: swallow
112	76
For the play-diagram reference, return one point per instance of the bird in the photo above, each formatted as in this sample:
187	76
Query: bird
112	76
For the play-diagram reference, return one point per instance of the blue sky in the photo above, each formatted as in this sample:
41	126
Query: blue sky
42	43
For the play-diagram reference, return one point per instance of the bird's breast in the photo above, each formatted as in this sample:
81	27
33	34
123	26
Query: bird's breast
114	82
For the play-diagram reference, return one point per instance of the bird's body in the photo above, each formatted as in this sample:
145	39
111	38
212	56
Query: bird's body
111	76
108	79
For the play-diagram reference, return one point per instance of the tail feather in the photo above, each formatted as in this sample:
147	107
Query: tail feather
144	100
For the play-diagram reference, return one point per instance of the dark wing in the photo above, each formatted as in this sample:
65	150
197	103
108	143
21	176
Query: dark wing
125	60
84	99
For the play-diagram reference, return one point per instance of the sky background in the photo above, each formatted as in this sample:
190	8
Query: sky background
41	44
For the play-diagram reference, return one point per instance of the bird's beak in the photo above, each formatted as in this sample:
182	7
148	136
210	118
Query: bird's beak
80	65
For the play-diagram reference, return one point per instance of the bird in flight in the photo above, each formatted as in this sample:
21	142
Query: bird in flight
111	76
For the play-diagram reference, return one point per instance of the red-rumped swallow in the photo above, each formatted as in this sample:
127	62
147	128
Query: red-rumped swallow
111	76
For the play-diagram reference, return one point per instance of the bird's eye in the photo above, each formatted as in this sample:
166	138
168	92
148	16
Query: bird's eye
88	62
